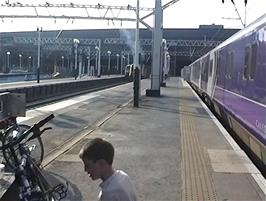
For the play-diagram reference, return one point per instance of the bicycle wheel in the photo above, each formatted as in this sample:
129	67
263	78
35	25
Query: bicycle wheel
39	188
15	131
39	180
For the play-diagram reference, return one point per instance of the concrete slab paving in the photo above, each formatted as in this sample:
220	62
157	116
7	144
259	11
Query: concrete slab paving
170	147
147	147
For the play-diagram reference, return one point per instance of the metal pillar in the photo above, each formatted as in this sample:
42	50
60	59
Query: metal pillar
96	64
136	56
39	54
157	40
80	65
122	63
89	64
99	60
163	63
68	65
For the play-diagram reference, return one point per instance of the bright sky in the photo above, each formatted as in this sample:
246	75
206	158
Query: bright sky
183	14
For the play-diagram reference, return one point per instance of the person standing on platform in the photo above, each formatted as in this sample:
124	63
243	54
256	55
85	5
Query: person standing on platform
97	157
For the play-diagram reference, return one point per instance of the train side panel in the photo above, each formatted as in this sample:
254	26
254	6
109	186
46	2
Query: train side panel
232	80
240	89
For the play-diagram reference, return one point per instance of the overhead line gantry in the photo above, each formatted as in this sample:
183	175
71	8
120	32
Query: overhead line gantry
110	12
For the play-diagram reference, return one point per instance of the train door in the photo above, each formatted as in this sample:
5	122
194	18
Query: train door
200	69
211	75
218	79
204	73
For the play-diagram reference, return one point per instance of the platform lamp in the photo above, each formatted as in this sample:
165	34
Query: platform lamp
20	58
88	66
96	61
121	63
98	49
117	61
8	65
168	63
62	68
29	63
76	42
109	54
89	60
128	58
124	62
39	30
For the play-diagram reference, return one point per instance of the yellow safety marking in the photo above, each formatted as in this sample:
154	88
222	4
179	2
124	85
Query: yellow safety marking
196	173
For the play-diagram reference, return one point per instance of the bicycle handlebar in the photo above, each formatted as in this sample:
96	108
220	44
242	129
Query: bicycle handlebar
44	121
35	129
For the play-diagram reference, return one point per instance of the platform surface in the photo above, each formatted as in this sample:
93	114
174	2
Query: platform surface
171	148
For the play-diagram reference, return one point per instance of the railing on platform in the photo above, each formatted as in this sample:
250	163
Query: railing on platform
42	93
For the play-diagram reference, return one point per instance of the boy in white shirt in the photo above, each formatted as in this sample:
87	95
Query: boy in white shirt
116	185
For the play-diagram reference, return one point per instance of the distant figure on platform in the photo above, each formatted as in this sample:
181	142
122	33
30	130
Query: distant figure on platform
116	185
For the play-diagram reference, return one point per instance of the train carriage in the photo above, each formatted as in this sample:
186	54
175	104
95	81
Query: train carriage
231	78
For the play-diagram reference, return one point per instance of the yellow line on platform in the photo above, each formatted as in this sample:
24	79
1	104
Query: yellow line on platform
197	181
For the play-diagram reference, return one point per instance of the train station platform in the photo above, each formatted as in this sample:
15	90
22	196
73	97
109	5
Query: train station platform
172	147
16	84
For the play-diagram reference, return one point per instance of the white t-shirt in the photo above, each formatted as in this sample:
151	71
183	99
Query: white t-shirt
117	187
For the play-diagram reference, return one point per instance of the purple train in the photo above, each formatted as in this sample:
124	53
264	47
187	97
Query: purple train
232	80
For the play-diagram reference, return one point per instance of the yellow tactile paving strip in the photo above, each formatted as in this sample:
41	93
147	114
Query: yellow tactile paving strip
197	181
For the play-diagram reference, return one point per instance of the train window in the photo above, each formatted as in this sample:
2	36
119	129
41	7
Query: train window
1	106
231	64
253	61
218	65
211	66
207	66
227	64
247	63
203	68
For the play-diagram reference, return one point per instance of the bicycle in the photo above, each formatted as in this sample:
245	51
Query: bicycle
10	127
32	184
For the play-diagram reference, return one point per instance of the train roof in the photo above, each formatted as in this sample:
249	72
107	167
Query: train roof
243	32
